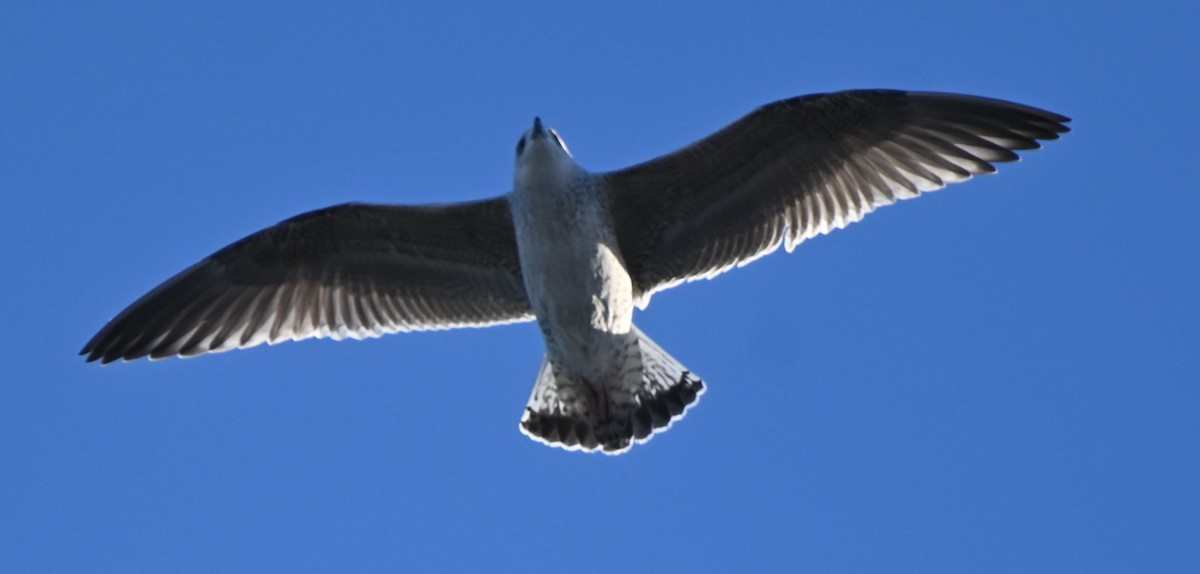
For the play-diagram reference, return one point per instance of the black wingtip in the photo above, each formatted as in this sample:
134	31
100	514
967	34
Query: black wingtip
90	350
90	356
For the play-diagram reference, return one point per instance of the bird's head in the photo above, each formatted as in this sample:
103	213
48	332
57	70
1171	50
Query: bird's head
540	145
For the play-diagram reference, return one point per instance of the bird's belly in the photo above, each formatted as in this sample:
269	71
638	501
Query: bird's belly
583	298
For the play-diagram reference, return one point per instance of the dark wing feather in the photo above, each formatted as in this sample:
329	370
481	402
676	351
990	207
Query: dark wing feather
351	270
803	167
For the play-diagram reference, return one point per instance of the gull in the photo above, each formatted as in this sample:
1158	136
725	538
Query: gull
577	251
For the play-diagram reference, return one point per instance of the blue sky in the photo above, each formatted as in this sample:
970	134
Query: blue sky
1001	376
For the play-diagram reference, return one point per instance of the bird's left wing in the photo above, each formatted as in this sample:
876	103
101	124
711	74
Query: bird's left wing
350	270
802	167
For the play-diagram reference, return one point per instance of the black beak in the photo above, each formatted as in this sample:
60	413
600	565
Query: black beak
537	128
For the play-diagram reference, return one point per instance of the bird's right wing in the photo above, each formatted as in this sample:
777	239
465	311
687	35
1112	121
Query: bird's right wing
350	270
803	167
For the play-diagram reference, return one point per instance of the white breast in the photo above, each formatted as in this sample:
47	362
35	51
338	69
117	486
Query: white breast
576	282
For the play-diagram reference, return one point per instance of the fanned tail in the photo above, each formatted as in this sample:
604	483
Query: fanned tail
648	391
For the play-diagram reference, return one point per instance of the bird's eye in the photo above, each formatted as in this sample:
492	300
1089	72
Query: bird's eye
521	145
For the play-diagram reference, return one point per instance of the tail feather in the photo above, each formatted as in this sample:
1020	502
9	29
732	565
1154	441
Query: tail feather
649	390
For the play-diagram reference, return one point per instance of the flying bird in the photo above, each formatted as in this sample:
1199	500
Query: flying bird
577	250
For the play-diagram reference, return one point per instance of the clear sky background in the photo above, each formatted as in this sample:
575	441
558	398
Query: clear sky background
1001	376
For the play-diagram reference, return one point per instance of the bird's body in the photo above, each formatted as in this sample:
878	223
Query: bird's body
577	285
577	250
596	369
